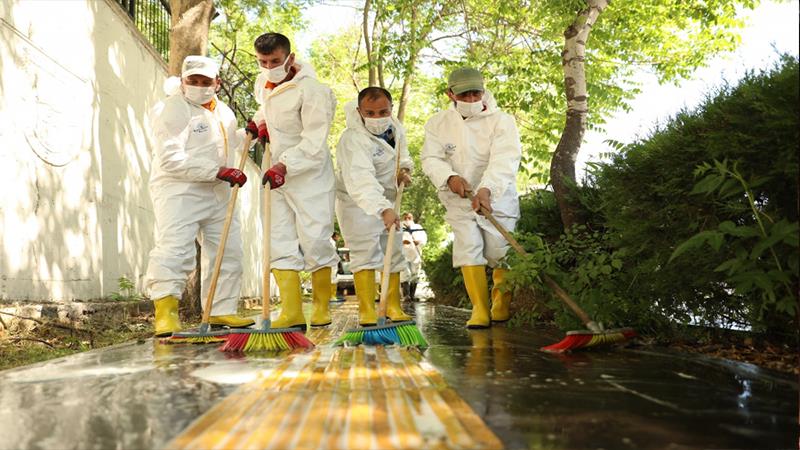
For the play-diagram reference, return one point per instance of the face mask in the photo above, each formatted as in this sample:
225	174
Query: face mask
377	126
199	95
469	109
276	74
408	223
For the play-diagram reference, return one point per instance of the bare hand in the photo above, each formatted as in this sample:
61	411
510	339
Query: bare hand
404	177
458	185
390	218
482	199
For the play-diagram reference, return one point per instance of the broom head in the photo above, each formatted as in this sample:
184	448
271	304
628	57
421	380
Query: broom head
202	335
403	333
265	339
585	338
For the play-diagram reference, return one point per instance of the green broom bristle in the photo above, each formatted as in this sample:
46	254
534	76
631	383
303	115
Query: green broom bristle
406	334
193	340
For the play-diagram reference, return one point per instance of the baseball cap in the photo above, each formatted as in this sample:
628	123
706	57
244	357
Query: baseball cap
465	79
199	65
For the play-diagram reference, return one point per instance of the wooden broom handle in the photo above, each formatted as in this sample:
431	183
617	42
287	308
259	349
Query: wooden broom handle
265	238
560	293
224	238
387	257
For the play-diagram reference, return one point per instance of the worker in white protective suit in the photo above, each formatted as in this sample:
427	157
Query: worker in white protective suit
197	147
295	114
474	147
414	238
372	159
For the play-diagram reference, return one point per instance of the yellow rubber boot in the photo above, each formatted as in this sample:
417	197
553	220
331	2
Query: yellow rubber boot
321	292
500	300
166	321
291	315
231	320
478	291
393	309
364	281
333	292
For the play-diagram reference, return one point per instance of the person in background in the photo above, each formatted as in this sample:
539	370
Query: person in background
414	238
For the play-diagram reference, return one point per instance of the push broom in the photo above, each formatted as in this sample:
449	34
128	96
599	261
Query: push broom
204	334
403	333
594	334
265	338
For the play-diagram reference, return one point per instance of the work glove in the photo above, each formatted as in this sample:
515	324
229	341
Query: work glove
404	177
275	176
258	131
458	185
232	176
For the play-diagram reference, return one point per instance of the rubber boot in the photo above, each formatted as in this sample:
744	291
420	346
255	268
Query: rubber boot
393	309
321	292
478	292
413	291
291	315
500	300
231	320
364	281
166	321
334	298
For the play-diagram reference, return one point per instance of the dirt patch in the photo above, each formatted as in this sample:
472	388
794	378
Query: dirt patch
32	339
780	357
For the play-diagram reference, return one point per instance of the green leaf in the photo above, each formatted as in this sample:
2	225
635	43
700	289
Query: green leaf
714	237
708	184
730	228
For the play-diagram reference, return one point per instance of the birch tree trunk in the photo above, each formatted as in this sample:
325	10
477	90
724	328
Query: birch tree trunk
562	167
188	34
367	45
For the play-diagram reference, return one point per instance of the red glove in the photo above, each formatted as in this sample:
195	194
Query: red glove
252	129
263	133
232	176
275	176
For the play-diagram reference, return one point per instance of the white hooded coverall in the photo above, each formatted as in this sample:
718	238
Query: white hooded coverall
485	150
298	114
190	202
366	184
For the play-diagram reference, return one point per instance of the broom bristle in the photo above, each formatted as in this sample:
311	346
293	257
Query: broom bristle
193	339
583	339
265	340
405	334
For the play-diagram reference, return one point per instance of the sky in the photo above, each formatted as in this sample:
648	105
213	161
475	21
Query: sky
770	29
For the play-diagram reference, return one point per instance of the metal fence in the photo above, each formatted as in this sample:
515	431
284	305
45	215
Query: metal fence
152	18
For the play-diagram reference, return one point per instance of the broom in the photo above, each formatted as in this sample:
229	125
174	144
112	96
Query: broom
204	335
265	337
594	334
402	333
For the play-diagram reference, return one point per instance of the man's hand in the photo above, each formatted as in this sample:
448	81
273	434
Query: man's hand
390	218
404	177
258	131
275	176
482	198
458	185
232	176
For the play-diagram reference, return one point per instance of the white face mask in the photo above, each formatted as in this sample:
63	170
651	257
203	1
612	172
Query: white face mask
199	95
276	74
469	109
377	126
408	223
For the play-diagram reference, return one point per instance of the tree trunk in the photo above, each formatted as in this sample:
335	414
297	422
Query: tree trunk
562	167
188	34
368	46
405	93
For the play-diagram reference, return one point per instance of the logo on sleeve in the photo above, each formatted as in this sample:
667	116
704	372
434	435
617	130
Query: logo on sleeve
378	152
449	148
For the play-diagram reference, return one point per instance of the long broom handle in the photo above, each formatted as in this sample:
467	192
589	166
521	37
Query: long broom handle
265	238
224	238
560	293
387	257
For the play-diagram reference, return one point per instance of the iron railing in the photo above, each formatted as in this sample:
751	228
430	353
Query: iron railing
152	18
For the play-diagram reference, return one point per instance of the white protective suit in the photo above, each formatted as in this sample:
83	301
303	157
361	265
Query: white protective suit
190	202
298	114
485	150
366	184
412	251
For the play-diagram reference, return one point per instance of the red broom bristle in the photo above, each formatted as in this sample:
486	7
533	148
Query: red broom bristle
235	342
298	340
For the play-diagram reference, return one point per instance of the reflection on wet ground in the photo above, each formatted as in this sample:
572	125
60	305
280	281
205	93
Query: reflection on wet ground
141	395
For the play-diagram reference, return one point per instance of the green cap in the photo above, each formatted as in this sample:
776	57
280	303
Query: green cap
465	79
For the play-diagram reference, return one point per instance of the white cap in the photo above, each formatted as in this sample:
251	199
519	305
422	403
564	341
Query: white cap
199	65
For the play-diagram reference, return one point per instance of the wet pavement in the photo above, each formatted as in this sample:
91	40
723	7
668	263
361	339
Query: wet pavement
142	395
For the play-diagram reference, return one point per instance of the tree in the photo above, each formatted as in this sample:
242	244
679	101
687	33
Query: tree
188	34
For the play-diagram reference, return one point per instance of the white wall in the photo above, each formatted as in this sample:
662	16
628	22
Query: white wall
77	82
